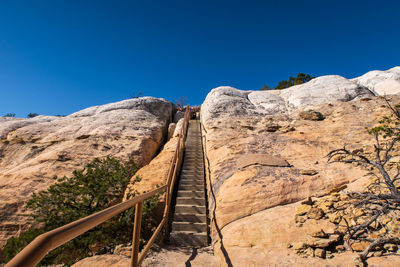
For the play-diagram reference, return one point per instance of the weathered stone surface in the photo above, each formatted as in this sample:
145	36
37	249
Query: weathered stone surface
319	233
283	257
104	261
155	173
360	246
315	213
323	90
169	256
240	192
261	159
308	172
322	242
311	115
248	205
227	101
33	150
390	247
381	82
303	209
320	253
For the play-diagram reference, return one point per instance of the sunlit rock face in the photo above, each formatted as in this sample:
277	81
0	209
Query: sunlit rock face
33	150
381	82
228	101
263	159
155	173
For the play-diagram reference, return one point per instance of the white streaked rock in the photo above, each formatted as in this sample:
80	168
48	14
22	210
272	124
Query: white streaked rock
381	82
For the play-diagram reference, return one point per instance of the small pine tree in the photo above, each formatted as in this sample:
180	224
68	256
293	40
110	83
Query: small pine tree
265	88
301	78
32	115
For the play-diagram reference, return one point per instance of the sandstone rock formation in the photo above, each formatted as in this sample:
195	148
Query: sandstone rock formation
155	173
381	82
157	257
33	150
263	159
104	261
249	202
228	101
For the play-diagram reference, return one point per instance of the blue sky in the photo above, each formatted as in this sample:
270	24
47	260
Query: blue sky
57	57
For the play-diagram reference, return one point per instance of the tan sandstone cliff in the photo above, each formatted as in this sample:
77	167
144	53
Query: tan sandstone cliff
263	159
33	150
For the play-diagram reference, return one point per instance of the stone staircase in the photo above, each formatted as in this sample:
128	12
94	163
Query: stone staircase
189	222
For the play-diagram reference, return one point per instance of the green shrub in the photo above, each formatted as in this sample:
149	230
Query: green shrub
99	185
32	115
301	78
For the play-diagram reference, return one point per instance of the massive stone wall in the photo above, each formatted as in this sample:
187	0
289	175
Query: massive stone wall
264	157
33	150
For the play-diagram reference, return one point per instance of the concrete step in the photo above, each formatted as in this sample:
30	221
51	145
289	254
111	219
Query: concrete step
189	226
189	193
189	239
190	209
192	177
187	217
190	201
193	160
197	158
191	182
188	168
191	187
198	176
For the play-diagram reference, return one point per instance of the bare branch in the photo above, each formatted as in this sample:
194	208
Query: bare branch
377	243
395	111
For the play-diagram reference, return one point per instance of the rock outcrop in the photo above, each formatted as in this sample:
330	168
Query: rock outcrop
265	154
33	150
249	201
104	261
158	257
155	173
381	82
228	101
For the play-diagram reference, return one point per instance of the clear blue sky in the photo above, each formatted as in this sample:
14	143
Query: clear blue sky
57	57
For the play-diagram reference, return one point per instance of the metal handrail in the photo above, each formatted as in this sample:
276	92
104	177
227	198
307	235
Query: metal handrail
44	243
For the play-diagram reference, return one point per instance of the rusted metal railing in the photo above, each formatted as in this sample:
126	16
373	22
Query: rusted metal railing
43	244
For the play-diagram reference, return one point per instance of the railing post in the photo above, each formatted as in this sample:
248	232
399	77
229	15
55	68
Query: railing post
136	234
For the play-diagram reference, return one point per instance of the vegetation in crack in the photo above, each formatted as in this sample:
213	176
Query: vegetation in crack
378	207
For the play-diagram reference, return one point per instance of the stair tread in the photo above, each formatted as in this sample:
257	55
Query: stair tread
186	213
190	198
191	192
190	205
189	222
190	232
